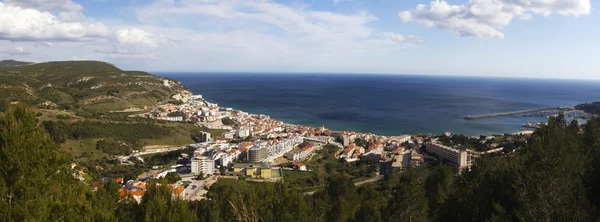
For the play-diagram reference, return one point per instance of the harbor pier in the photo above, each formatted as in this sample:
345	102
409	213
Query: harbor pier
556	109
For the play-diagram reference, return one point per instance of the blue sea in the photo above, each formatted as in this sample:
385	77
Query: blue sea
389	104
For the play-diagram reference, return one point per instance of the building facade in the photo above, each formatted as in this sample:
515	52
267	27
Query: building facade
403	139
203	164
227	135
205	137
257	153
301	154
242	133
457	157
264	150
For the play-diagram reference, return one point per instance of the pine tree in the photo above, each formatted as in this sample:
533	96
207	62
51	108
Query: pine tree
36	182
159	204
408	202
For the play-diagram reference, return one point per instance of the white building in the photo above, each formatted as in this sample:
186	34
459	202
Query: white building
267	151
257	153
204	165
301	154
281	147
172	119
348	152
403	139
242	133
457	157
227	135
226	159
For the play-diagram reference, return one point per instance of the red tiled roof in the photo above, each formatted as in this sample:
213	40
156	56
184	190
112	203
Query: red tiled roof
141	185
178	190
136	193
307	147
122	192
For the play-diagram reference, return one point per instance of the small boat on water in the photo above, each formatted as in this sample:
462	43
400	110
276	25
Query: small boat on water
531	125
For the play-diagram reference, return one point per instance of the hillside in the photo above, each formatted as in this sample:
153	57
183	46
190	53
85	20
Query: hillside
591	108
11	63
89	85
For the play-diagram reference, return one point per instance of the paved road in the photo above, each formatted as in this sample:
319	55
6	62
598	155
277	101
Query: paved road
375	179
196	194
161	150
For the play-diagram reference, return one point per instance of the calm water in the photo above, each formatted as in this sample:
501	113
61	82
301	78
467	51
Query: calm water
388	104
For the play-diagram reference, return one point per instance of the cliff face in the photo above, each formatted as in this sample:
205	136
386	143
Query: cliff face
89	85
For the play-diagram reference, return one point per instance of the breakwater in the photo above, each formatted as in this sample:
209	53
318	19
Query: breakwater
554	109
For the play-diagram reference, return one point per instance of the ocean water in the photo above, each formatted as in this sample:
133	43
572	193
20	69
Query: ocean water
389	104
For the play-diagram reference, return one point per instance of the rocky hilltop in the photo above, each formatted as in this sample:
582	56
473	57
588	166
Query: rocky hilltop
87	85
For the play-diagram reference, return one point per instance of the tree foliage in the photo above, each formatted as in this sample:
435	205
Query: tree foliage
227	121
592	108
172	177
113	148
36	183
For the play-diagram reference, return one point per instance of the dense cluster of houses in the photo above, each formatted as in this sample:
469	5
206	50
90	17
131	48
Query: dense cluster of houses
253	141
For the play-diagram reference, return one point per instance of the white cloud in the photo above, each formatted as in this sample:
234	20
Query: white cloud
486	18
38	24
66	9
136	41
252	35
264	34
13	52
43	44
21	24
300	22
410	39
335	2
18	50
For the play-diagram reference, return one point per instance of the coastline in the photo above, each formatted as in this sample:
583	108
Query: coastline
378	104
287	124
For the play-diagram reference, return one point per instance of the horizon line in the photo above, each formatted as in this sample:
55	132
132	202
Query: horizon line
365	73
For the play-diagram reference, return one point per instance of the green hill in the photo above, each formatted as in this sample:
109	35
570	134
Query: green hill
11	63
89	85
591	108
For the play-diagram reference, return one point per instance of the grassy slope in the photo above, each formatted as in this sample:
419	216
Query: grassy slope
302	181
178	133
89	85
50	114
77	147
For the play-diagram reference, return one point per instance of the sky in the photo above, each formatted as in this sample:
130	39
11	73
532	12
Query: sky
508	38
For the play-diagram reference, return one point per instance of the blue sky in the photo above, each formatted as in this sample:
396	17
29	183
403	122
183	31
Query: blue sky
512	38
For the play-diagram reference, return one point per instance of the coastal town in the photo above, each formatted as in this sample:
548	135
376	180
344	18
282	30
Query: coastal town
255	147
299	111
